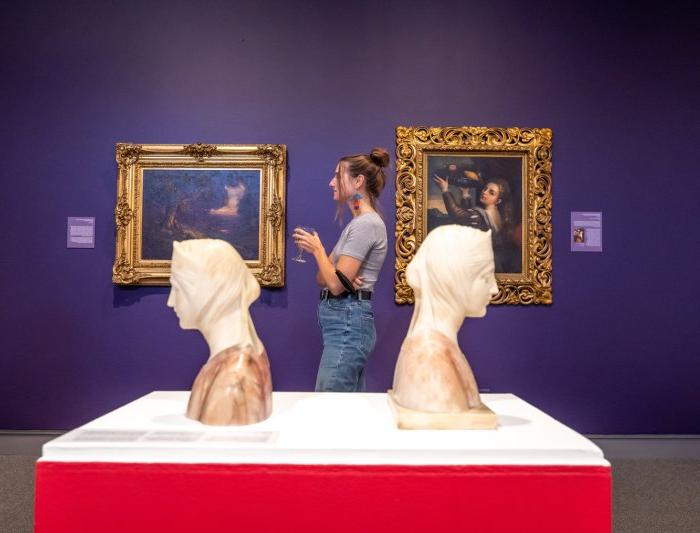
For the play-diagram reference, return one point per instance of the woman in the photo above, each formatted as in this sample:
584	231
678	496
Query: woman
495	215
345	316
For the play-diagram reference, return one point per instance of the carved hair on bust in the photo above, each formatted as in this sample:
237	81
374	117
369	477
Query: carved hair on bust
212	289
443	269
215	275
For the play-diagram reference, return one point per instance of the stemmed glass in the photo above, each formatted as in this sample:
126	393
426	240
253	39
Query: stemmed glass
299	257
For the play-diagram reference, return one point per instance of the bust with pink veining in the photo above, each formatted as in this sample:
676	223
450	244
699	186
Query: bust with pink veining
211	291
452	277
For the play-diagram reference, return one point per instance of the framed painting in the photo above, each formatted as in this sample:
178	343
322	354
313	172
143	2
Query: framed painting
168	192
497	179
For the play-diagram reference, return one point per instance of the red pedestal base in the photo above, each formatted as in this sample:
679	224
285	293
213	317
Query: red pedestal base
129	497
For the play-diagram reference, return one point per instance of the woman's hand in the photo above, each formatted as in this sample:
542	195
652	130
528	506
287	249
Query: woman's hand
442	183
309	242
357	283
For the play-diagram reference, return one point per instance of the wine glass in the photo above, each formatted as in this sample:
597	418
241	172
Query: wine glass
299	257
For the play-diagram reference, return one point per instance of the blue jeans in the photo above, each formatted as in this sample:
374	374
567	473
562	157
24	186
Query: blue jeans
347	326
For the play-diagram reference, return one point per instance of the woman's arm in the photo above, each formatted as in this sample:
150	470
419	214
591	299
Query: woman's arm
326	271
457	212
326	276
319	278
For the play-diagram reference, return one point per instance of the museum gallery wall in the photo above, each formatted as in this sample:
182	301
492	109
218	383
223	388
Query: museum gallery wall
616	351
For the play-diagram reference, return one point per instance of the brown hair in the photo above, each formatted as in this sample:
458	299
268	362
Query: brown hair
370	166
505	206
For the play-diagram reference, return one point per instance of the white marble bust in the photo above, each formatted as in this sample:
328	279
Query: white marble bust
211	291
452	277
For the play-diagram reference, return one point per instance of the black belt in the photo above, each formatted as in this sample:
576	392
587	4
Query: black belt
361	295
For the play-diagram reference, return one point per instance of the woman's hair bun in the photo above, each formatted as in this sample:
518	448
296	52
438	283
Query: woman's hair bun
379	156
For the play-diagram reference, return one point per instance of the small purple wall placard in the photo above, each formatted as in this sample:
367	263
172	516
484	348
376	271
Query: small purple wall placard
81	232
586	231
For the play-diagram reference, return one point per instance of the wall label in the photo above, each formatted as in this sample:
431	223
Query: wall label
81	232
586	231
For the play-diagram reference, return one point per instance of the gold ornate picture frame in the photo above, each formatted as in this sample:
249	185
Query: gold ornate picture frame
514	164
168	192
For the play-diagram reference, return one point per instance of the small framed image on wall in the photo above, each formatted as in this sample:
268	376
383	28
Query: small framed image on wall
168	192
496	179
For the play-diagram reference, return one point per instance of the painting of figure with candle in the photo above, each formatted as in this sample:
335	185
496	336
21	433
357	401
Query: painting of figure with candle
198	203
483	192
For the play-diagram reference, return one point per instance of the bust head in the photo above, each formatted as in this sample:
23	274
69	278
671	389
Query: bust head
453	270
209	279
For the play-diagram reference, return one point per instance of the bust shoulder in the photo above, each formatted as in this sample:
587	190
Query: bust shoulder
233	387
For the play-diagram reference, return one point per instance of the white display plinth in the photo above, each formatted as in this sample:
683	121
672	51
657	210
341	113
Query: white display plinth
321	429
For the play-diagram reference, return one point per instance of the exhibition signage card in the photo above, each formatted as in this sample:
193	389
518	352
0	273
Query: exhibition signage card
81	232
115	435
586	231
244	437
103	435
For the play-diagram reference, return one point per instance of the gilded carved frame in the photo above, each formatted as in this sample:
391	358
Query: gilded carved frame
130	269
534	284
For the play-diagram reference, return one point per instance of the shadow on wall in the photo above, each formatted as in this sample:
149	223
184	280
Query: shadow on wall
124	296
273	297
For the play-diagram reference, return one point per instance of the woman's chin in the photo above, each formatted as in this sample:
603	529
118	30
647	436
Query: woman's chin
186	325
476	313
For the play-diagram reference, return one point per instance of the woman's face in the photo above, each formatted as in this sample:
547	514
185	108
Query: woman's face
482	288
491	195
341	191
179	299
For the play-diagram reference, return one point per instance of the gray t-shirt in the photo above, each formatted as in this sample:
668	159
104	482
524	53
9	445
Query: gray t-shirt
364	238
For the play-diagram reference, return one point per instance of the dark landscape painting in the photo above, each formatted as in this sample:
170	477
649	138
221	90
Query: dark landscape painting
180	204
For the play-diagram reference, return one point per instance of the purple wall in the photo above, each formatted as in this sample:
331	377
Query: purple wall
618	352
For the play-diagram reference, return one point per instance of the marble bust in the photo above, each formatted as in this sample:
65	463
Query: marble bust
452	277
211	291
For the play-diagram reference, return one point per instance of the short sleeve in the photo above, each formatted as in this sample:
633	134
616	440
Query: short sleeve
358	241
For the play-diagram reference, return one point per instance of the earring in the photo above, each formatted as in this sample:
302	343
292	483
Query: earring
356	201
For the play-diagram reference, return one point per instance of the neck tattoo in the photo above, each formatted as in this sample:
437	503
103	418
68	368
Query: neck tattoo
356	201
